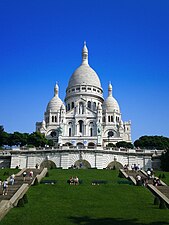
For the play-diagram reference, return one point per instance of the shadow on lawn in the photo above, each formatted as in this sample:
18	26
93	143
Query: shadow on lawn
110	221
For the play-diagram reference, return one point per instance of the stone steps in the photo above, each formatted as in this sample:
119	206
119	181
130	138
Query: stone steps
19	180
164	190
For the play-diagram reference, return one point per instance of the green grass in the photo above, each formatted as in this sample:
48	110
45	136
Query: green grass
6	172
107	204
166	174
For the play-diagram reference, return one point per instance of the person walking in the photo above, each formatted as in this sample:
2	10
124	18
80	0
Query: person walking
12	179
24	175
5	187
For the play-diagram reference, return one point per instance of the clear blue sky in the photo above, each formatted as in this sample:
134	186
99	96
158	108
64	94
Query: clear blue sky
128	42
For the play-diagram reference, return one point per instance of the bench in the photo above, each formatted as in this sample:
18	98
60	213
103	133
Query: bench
97	182
124	182
48	182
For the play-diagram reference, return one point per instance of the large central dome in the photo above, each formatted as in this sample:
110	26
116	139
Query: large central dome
84	74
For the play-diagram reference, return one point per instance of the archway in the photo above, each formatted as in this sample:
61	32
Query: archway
80	145
68	144
82	164
48	164
91	145
115	165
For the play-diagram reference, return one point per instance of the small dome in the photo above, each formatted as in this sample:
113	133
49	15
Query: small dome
55	103
110	104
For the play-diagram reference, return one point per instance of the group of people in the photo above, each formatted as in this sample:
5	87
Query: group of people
74	180
4	184
157	182
141	181
135	167
25	174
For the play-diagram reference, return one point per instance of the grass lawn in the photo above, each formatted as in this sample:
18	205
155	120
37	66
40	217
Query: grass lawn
164	176
113	203
6	172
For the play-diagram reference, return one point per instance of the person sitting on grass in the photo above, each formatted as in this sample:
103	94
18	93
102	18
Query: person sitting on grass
76	180
71	180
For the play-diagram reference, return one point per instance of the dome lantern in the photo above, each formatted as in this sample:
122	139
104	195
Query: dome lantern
110	89
56	90
85	54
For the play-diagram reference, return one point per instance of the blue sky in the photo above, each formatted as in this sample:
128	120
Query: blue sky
128	42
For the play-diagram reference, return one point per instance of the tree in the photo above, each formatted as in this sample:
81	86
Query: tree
37	139
3	136
50	143
165	161
152	142
124	144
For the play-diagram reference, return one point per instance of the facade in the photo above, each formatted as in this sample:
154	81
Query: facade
85	118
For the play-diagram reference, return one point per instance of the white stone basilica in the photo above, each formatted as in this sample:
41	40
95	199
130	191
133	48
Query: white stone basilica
83	129
86	119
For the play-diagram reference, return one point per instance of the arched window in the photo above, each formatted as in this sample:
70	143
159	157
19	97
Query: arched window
89	104
104	119
112	119
91	132
94	105
73	105
81	108
52	119
55	119
70	132
110	134
80	126
68	107
108	118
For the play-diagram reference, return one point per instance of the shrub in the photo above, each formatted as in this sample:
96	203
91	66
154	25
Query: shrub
36	182
162	204
163	176
25	198
120	175
47	174
156	201
20	203
114	168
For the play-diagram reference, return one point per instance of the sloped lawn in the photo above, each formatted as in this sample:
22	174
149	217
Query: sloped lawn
115	203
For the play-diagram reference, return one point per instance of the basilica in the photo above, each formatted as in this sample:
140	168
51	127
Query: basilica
84	119
84	127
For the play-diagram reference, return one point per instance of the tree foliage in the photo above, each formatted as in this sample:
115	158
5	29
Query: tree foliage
165	161
124	144
152	142
21	139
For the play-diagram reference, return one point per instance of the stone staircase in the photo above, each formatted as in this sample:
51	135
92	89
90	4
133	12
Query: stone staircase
161	191
19	181
164	190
